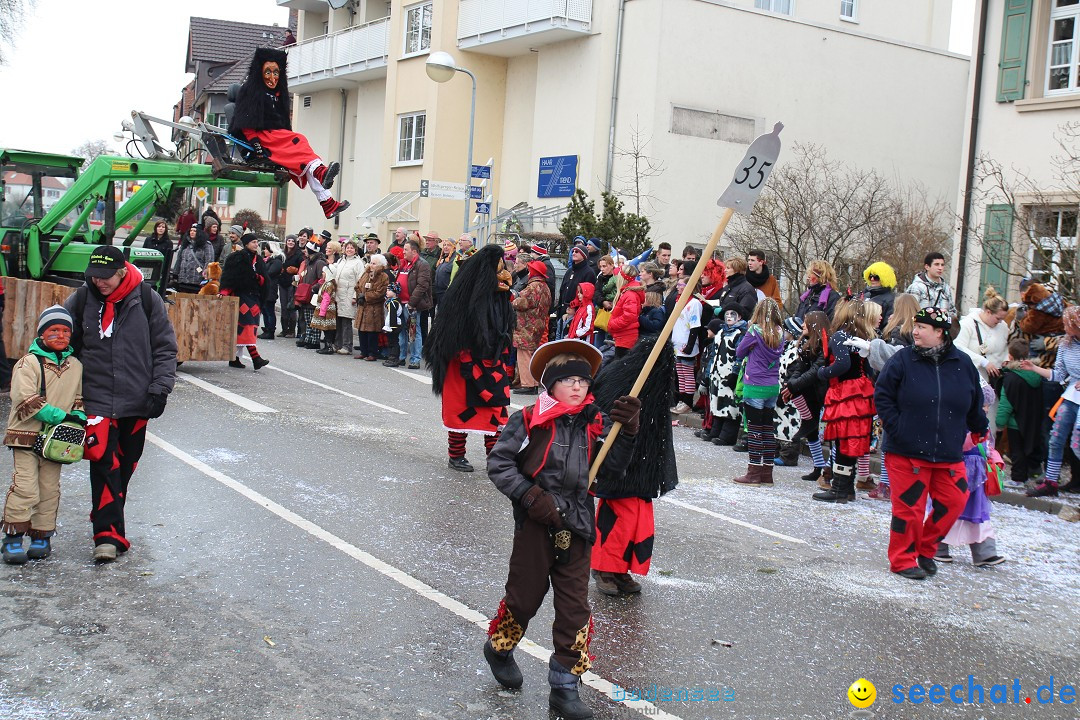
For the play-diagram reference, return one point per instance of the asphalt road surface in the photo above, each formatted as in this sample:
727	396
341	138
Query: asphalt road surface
300	550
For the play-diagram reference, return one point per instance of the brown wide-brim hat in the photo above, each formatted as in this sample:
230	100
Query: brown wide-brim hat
548	350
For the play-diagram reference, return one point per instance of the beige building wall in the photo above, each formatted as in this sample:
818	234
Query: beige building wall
1021	136
894	105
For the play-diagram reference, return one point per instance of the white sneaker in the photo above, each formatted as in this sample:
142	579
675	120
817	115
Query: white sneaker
680	409
343	351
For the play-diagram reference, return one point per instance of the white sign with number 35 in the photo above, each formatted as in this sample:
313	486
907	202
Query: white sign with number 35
752	172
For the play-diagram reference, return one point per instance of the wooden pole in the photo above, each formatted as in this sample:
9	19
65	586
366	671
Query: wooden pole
684	298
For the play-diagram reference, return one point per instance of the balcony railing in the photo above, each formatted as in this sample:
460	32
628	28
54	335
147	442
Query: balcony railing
340	58
520	24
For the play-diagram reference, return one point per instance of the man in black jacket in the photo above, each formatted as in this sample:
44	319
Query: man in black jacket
127	346
274	266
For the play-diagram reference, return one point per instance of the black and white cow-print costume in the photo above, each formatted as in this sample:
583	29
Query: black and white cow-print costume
725	373
787	417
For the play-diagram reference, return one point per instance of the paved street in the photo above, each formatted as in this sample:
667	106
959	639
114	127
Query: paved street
320	561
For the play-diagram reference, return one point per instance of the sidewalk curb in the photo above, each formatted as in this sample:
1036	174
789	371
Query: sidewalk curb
1007	497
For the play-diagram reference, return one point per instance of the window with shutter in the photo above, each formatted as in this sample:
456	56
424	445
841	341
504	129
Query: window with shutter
997	248
1012	66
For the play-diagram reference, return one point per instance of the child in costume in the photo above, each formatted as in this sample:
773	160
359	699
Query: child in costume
392	314
973	527
806	391
554	514
1020	414
34	497
723	404
263	117
761	346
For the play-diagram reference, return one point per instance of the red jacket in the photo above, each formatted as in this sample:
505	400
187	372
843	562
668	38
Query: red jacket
623	324
581	327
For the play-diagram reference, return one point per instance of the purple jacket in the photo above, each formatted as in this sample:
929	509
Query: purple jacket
763	362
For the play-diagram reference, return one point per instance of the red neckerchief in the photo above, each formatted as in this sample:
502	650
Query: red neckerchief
108	308
548	408
708	292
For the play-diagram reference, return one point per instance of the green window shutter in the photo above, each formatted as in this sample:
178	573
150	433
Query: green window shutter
997	249
232	196
283	197
1012	66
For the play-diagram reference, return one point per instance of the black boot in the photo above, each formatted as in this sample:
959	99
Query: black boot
843	485
812	475
740	442
503	667
727	432
564	698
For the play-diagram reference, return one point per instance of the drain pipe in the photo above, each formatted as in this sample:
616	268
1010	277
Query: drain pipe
614	96
973	135
341	149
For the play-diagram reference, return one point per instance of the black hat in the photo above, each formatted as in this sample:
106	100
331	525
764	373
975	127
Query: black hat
248	237
373	236
326	235
715	326
105	260
735	307
934	317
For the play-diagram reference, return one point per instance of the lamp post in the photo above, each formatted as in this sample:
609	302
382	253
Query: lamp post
440	68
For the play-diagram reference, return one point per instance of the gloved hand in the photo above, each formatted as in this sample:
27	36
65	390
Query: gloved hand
77	419
862	346
540	504
627	410
156	405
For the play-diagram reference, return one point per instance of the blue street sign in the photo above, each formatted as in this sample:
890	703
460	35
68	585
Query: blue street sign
558	176
483	208
476	192
481	172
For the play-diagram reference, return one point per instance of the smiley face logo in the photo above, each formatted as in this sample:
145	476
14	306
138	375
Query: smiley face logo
862	693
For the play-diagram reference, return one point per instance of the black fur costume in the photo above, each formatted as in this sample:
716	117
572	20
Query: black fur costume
257	107
474	316
652	472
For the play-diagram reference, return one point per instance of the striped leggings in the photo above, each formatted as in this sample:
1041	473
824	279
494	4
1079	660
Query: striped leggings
684	370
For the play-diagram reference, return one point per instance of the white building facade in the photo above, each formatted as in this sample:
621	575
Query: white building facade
567	84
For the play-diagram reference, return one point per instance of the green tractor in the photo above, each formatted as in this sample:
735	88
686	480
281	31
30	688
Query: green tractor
45	222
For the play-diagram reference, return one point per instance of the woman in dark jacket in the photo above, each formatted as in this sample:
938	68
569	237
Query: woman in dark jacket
195	254
161	242
738	288
444	269
274	266
928	398
579	271
312	273
803	385
290	266
820	293
243	276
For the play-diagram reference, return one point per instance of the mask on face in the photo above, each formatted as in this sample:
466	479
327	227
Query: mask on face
270	74
731	317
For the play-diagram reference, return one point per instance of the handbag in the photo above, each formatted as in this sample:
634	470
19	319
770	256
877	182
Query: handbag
62	442
304	291
601	321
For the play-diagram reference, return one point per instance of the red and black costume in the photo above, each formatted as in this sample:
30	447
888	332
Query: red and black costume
468	352
849	412
263	117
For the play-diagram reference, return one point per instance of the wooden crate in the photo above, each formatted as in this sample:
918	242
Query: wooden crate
205	325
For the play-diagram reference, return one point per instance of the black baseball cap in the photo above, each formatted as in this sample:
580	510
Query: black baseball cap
105	261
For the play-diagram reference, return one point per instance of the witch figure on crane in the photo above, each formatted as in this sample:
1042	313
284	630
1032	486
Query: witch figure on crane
263	118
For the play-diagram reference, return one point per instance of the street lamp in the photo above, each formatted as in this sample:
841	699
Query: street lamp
440	68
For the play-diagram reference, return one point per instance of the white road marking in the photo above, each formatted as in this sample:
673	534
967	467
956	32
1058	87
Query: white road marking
226	394
427	380
399	576
419	378
340	392
740	523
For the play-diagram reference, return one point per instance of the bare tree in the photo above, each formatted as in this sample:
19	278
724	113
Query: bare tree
12	15
1031	225
817	208
91	149
640	167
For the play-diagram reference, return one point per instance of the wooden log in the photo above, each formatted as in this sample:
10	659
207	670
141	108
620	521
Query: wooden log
205	325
